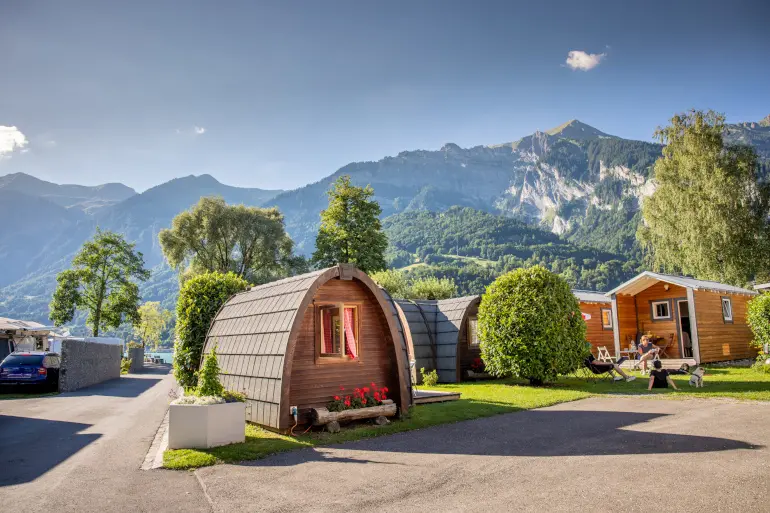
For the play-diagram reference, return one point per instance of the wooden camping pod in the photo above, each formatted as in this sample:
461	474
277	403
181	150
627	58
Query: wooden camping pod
268	344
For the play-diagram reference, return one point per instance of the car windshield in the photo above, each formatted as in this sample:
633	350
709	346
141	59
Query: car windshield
22	359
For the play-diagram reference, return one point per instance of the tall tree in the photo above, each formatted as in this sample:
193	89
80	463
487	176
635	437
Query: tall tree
213	236
102	282
350	229
708	214
153	321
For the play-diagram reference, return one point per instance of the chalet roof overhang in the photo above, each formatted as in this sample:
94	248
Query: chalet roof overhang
647	279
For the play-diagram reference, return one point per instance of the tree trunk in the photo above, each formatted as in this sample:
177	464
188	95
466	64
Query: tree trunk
536	382
324	416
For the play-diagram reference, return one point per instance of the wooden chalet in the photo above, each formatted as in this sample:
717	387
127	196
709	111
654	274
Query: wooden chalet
440	335
695	319
596	309
296	341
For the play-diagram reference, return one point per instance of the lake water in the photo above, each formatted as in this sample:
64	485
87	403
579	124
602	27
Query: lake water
166	357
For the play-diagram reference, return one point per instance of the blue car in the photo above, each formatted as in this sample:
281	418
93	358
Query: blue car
28	369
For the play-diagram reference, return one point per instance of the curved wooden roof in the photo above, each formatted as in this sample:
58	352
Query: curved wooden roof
432	331
255	333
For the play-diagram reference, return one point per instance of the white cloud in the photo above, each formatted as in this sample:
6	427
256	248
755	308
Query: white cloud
199	130
11	139
578	59
193	130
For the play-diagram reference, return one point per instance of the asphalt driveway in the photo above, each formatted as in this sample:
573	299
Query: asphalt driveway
602	454
82	451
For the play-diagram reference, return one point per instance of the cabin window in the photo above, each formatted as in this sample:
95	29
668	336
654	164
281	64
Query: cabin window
606	318
661	310
727	309
339	331
473	331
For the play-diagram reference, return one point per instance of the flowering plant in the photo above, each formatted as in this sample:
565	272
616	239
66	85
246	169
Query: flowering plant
477	365
360	398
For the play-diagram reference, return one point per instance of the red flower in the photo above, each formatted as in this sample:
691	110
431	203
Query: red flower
366	390
373	385
383	397
342	389
336	398
385	389
363	401
376	396
347	403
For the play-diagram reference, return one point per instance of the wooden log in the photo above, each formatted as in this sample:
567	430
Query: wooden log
323	416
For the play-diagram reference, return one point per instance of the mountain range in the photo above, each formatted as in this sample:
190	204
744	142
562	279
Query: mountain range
574	181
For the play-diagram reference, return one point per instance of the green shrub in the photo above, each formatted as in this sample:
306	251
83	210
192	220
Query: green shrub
133	345
429	379
530	326
431	287
200	298
393	281
208	378
233	397
125	365
758	318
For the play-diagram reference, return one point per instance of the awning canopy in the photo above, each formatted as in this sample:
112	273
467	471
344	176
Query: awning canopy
7	324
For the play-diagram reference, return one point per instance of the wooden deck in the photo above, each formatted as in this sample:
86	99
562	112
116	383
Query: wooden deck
431	396
668	363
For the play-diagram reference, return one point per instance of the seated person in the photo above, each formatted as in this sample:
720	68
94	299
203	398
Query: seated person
601	367
647	351
659	377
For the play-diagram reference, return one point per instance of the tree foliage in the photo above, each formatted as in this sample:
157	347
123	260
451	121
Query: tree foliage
431	287
213	236
153	321
200	299
758	318
350	229
101	281
708	214
530	326
208	378
392	280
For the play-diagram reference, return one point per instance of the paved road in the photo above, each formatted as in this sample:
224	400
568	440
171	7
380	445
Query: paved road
82	451
591	455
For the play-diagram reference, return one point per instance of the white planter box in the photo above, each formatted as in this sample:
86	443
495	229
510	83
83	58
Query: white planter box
192	426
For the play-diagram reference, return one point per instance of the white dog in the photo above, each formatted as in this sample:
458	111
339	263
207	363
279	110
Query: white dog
696	377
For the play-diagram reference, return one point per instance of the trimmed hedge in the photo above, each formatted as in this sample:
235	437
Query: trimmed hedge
200	299
530	326
758	317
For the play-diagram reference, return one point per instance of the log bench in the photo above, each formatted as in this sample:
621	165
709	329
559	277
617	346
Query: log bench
322	416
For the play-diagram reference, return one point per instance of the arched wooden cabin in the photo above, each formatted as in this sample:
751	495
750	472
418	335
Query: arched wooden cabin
440	335
296	341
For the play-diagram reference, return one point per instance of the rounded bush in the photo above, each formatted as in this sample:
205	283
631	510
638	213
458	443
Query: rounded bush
200	299
530	326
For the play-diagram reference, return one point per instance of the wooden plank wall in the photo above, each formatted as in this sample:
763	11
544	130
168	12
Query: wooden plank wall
626	320
313	382
595	333
718	340
660	328
466	352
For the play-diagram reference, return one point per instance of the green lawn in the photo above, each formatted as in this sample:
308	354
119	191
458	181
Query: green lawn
480	399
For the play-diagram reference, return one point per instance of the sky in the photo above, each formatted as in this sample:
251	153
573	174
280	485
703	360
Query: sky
280	94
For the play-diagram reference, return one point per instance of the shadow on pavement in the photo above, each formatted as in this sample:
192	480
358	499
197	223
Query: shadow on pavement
31	447
533	433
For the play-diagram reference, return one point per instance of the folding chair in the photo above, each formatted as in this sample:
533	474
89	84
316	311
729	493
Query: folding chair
602	354
599	372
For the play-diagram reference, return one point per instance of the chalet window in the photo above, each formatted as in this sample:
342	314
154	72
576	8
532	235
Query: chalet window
727	309
473	331
606	318
339	331
661	310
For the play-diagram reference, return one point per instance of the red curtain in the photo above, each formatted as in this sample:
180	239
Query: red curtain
327	331
351	348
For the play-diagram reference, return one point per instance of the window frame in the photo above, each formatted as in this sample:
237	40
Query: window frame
610	326
729	301
473	318
653	312
336	358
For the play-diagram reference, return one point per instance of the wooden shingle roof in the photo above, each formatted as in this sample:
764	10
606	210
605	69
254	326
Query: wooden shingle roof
252	334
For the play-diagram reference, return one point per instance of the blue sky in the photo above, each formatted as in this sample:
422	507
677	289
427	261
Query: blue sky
279	94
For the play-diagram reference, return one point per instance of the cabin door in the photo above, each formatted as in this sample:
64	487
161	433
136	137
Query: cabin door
683	326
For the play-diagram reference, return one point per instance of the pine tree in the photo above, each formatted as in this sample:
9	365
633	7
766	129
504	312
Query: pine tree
350	229
208	381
